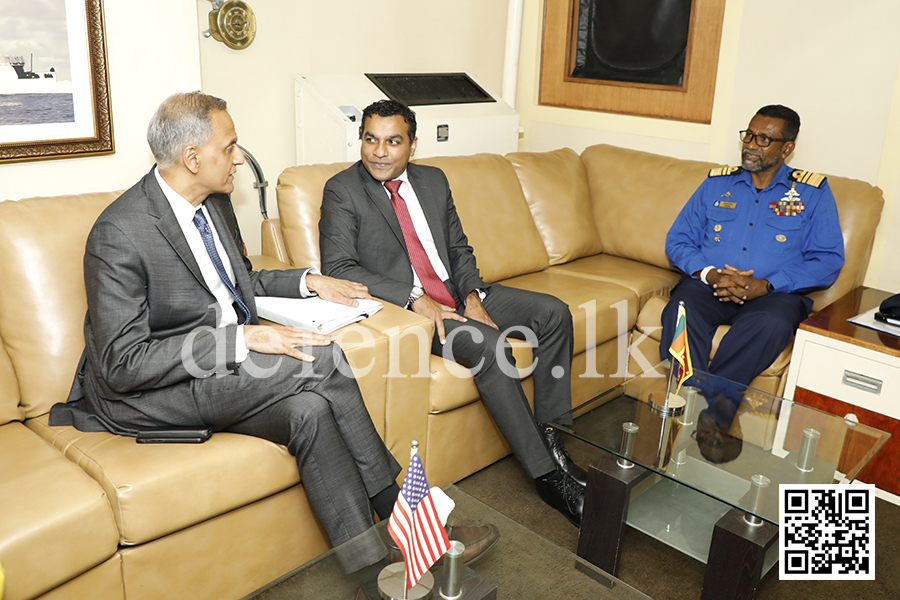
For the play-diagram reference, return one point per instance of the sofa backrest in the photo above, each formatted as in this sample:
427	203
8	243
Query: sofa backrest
625	183
859	210
42	299
556	187
299	196
494	214
636	197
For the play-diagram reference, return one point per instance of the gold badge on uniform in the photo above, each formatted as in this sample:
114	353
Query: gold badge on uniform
781	237
717	239
726	195
789	205
722	204
717	227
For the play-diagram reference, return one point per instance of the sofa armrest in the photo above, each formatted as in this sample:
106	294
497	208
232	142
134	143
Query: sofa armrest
408	378
272	241
264	262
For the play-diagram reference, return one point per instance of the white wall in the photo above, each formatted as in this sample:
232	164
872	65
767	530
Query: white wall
834	62
297	37
151	54
837	63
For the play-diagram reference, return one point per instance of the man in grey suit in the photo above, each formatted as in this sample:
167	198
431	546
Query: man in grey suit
173	338
392	226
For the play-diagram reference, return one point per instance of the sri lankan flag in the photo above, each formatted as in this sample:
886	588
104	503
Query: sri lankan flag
679	349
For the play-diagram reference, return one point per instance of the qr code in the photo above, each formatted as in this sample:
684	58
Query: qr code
827	532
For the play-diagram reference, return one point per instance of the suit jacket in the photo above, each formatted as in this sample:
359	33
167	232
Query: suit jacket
146	298
360	237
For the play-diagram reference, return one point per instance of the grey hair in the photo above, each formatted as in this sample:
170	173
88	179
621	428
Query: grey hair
183	119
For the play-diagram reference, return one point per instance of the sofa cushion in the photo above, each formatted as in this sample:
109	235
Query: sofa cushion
494	215
10	410
650	322
646	281
299	195
636	197
156	489
42	299
453	386
591	302
48	509
556	188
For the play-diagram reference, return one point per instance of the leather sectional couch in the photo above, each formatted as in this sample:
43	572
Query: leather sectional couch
93	515
589	229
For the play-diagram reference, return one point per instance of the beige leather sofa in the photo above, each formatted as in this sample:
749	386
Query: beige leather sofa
98	516
93	515
589	229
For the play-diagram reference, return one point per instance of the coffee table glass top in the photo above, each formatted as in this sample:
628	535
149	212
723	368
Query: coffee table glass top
522	564
732	443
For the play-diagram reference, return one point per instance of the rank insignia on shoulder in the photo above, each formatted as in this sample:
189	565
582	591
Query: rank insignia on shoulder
724	171
807	177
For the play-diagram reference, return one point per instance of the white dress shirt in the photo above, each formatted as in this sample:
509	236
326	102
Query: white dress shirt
184	215
420	224
423	231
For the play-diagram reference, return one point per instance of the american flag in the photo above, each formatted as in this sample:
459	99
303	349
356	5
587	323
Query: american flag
417	524
679	349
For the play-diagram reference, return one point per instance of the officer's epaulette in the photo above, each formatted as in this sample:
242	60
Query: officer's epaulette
724	171
807	177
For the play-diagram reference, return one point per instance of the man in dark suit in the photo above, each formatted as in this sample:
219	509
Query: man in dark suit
173	338
393	227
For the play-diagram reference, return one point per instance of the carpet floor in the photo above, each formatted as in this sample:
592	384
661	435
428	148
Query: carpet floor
662	572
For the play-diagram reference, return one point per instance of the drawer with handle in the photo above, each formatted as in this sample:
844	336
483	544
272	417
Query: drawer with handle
866	381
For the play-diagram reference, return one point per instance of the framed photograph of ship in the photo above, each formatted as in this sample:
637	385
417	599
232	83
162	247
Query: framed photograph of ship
54	83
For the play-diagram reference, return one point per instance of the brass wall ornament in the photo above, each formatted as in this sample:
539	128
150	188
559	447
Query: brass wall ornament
232	22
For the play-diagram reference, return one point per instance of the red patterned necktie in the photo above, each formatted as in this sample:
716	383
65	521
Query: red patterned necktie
433	285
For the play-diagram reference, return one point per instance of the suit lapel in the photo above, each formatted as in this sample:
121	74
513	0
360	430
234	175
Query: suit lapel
376	192
378	196
169	228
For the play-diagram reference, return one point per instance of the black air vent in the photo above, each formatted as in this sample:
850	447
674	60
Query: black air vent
430	88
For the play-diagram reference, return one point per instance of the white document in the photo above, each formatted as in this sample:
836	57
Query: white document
867	319
314	314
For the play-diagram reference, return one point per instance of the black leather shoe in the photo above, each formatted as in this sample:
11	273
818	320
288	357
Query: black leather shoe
561	457
563	493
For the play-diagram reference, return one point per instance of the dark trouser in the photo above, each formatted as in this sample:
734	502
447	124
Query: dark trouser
313	409
551	322
760	329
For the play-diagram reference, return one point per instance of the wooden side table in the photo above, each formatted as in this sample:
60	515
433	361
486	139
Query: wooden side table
847	369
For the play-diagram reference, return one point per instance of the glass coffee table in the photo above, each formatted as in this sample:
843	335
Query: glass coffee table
701	472
522	564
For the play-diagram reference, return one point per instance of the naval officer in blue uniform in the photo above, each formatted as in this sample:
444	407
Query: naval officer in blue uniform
752	239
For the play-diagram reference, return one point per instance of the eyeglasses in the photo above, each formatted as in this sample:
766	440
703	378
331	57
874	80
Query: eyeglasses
762	140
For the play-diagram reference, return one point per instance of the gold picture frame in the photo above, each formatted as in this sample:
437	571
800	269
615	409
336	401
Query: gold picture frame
692	101
91	131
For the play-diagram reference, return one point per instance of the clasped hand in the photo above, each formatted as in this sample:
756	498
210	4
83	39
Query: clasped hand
733	285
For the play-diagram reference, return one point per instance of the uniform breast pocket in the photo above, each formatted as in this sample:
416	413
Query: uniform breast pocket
783	234
720	225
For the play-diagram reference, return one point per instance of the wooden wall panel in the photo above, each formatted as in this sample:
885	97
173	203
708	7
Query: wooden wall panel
693	101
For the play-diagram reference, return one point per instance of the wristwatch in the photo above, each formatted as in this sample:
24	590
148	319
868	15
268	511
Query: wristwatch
769	287
414	295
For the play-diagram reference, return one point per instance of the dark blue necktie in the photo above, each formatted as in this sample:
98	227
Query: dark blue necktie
207	235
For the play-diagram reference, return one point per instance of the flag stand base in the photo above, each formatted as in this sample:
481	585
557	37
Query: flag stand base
392	584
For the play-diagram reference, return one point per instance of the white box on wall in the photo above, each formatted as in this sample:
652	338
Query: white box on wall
328	110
